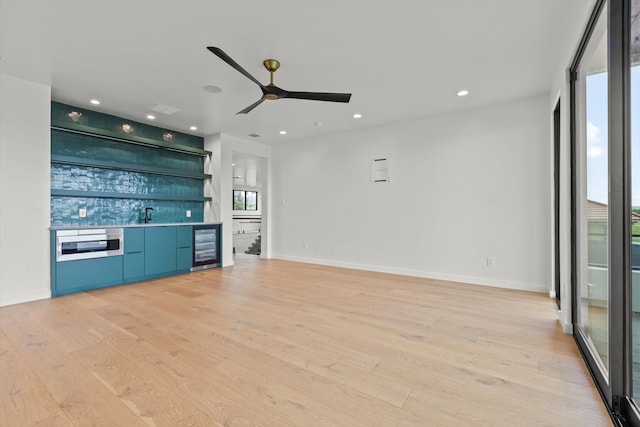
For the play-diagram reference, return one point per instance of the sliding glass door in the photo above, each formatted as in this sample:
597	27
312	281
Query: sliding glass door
591	198
634	71
605	124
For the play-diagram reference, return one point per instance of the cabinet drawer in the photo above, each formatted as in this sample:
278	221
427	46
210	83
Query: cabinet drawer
133	240
184	236
86	274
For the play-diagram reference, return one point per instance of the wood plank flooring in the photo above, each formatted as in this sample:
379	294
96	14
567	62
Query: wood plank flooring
278	343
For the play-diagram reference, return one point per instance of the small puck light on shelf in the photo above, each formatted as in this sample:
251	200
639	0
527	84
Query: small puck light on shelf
74	116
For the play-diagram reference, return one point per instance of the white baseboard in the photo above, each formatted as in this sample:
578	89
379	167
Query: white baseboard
20	298
531	287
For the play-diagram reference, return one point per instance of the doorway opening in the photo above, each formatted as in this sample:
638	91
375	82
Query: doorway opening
247	208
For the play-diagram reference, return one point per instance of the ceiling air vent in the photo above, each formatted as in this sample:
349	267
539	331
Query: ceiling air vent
165	109
254	135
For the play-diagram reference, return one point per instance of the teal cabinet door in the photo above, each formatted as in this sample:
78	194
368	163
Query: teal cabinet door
133	240
184	243
184	259
184	236
160	250
86	274
133	267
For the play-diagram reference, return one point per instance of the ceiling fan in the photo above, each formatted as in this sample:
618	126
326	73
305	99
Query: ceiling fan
273	92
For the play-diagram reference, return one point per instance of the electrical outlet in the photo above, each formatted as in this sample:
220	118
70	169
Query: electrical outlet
188	214
82	212
491	261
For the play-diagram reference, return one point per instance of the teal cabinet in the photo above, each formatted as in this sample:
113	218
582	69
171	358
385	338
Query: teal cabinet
86	274
149	252
160	254
184	236
184	251
133	268
183	261
133	240
133	263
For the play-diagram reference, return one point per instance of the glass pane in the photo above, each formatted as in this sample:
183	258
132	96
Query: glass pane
635	192
238	200
252	200
593	194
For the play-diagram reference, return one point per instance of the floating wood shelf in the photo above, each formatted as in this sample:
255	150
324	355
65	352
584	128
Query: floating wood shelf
113	195
131	167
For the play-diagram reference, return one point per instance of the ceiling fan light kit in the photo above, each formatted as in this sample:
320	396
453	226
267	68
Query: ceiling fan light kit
273	92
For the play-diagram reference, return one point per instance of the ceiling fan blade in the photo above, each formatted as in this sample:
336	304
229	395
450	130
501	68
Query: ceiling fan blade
226	58
319	96
251	107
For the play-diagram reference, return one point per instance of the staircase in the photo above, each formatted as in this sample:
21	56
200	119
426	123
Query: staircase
254	249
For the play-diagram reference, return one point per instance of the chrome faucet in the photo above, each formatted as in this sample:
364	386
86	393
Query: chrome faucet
147	215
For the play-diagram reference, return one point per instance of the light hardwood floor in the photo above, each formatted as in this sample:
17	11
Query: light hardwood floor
287	344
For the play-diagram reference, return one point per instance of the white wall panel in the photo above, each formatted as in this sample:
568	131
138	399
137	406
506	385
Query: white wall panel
464	187
25	162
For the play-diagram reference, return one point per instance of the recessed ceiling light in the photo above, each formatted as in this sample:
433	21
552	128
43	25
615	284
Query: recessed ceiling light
193	128
283	132
211	89
151	117
463	93
95	102
357	115
233	164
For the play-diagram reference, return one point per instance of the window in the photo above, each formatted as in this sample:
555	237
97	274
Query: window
238	200
245	200
251	201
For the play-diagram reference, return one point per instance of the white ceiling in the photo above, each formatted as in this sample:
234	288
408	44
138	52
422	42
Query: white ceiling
399	59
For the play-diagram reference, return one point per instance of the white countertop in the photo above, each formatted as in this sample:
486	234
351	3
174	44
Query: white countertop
151	224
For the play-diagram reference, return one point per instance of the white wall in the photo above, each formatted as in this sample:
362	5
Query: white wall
25	162
464	186
213	187
560	90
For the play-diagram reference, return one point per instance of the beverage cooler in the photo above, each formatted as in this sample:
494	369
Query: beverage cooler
207	247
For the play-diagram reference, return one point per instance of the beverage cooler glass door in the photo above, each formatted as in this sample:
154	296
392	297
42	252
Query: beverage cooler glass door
206	245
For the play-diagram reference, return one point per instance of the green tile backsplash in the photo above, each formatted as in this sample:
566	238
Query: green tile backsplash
64	211
70	177
121	179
